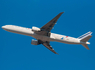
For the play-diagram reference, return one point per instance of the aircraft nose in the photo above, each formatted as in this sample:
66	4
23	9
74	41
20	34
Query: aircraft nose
3	27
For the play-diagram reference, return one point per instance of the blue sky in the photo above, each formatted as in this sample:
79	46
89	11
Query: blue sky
16	51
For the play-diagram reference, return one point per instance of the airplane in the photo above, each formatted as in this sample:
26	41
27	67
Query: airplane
43	35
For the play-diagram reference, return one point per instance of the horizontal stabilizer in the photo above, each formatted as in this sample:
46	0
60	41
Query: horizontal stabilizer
85	45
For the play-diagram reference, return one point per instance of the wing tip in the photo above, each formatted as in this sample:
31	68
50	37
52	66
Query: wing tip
57	53
62	12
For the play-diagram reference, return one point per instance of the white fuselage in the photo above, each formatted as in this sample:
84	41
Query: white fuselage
53	36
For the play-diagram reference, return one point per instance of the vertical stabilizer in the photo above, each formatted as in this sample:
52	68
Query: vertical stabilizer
85	37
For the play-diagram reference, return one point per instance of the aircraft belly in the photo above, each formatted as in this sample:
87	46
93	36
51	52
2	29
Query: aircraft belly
71	42
28	33
66	41
43	38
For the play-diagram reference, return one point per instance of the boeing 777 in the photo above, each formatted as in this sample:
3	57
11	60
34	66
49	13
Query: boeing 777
44	35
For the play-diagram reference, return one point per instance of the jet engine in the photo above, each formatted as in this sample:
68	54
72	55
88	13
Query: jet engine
35	29
35	42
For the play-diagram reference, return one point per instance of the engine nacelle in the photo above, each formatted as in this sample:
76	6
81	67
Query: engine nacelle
34	42
35	29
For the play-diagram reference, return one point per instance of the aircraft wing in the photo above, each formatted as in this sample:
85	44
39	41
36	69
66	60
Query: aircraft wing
47	45
50	24
45	30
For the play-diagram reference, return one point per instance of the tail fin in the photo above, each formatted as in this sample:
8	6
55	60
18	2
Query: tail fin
85	37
